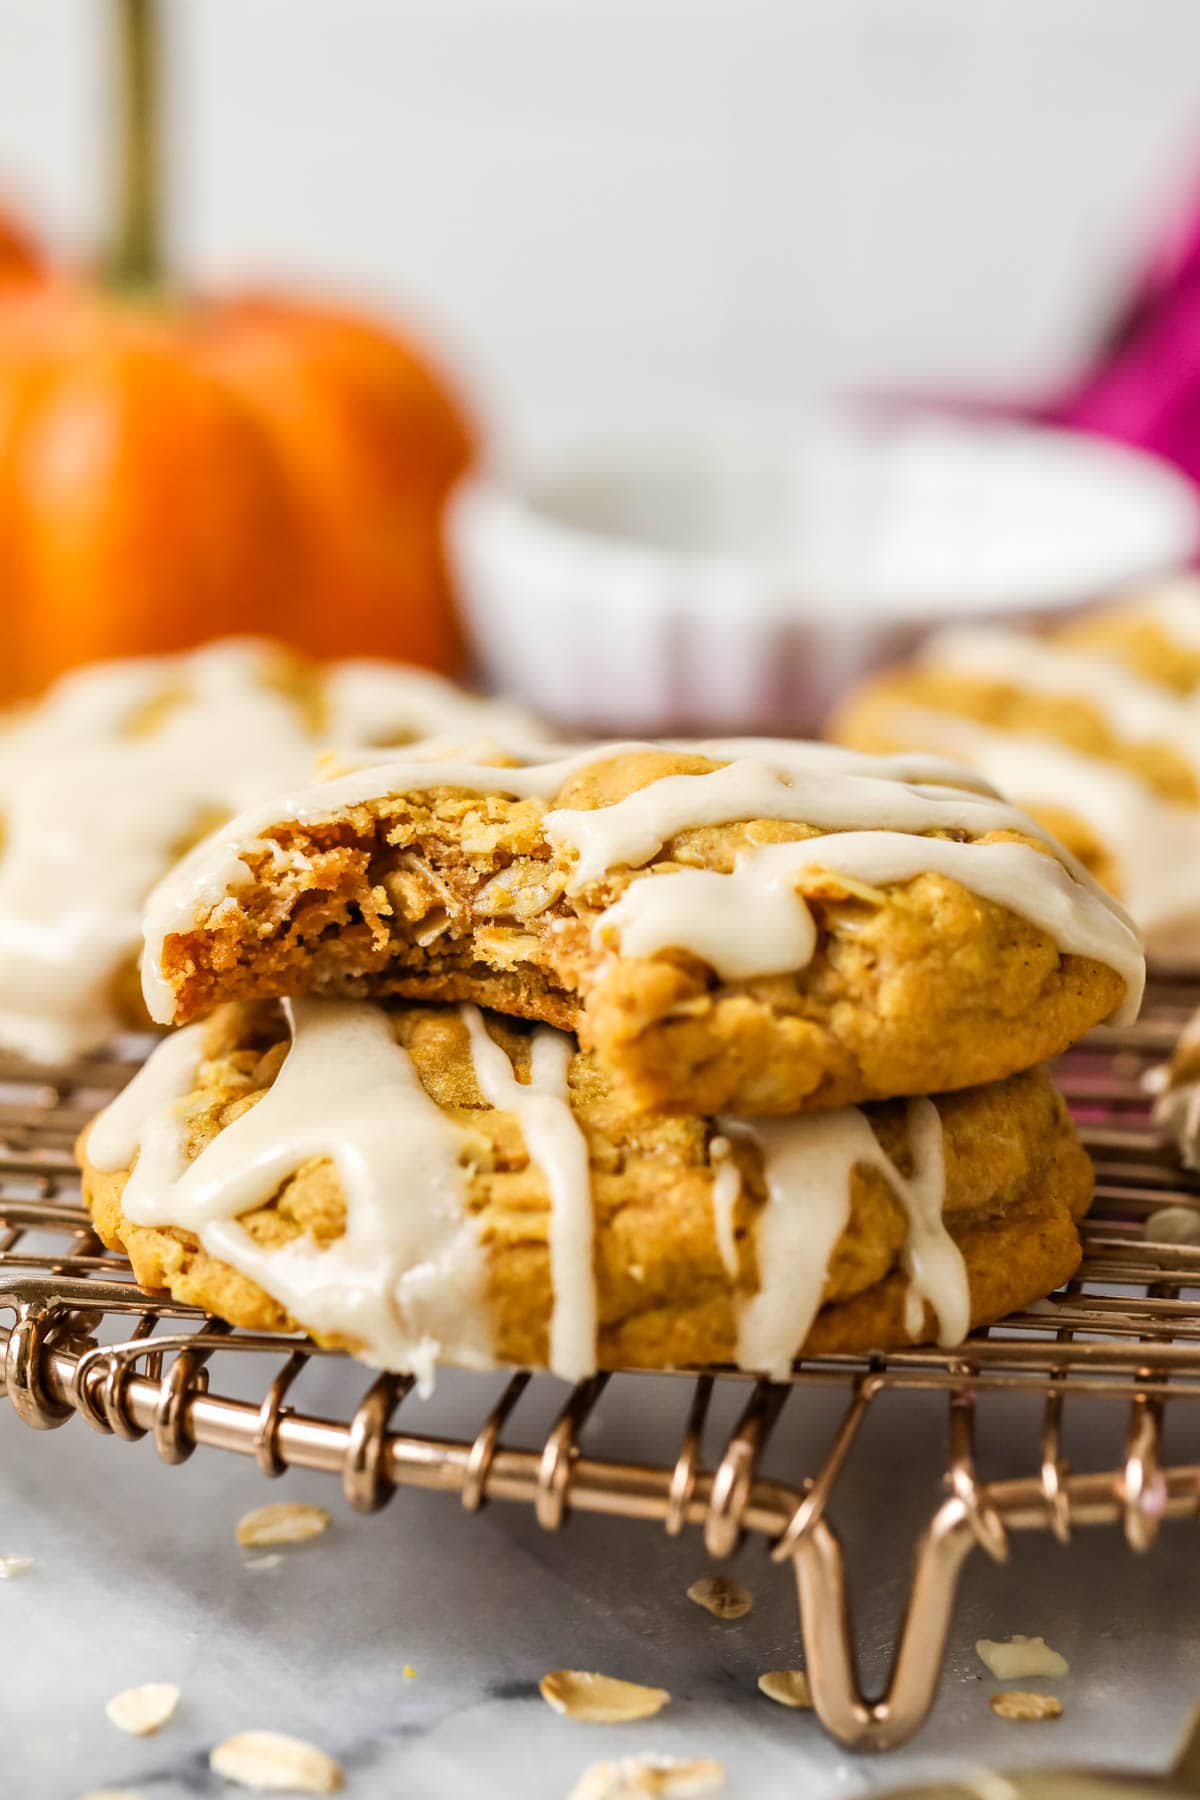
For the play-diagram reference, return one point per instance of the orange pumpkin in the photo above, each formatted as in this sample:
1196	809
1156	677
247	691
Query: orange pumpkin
20	258
171	469
168	474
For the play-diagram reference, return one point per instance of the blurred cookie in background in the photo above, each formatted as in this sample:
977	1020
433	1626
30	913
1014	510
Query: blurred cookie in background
123	765
1092	727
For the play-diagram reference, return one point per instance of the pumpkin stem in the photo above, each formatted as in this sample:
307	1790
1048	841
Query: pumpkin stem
135	255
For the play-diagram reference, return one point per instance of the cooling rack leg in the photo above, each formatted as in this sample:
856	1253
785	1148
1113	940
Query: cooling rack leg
827	1631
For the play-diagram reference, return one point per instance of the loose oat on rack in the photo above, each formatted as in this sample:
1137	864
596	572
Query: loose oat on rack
1018	1656
722	1596
141	1711
269	1762
600	1699
1020	1706
650	1778
787	1687
283	1522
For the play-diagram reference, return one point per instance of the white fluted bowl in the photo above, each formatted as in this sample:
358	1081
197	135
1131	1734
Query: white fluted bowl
711	592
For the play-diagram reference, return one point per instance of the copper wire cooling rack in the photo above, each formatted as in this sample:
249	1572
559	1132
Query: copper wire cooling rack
1125	1332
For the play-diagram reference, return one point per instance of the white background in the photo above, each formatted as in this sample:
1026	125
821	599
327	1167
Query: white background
624	214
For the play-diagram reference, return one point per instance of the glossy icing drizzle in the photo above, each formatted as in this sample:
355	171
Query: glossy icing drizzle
557	1147
726	1192
754	922
808	1165
406	1283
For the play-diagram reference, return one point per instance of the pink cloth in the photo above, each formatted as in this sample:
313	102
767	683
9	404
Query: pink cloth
1143	384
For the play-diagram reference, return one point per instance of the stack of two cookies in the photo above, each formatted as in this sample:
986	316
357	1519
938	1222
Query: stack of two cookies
615	1058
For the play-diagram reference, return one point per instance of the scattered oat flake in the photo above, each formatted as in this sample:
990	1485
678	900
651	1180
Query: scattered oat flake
268	1762
723	1597
600	1699
12	1567
283	1522
650	1778
1020	1657
788	1687
271	1561
138	1711
1173	1225
1016	1705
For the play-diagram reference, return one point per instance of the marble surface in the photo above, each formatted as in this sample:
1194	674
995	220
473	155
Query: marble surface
137	1578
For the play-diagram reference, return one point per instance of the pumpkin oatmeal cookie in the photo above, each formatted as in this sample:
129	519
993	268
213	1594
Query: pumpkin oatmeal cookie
417	1184
764	928
1092	727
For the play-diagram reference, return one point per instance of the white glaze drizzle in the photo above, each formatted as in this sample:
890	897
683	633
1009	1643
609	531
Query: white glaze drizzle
808	1165
92	816
805	756
406	1282
632	829
1175	609
558	1149
1155	843
937	1274
141	1122
1135	709
370	701
754	923
726	1192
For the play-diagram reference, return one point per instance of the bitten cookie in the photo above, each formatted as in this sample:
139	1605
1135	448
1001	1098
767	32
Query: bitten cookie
766	927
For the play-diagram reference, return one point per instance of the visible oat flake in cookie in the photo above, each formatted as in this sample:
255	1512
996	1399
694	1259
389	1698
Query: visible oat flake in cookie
787	1687
600	1699
284	1522
650	1778
269	1762
139	1711
720	1595
1016	1705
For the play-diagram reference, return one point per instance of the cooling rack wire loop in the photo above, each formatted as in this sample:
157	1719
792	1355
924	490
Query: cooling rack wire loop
77	1336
